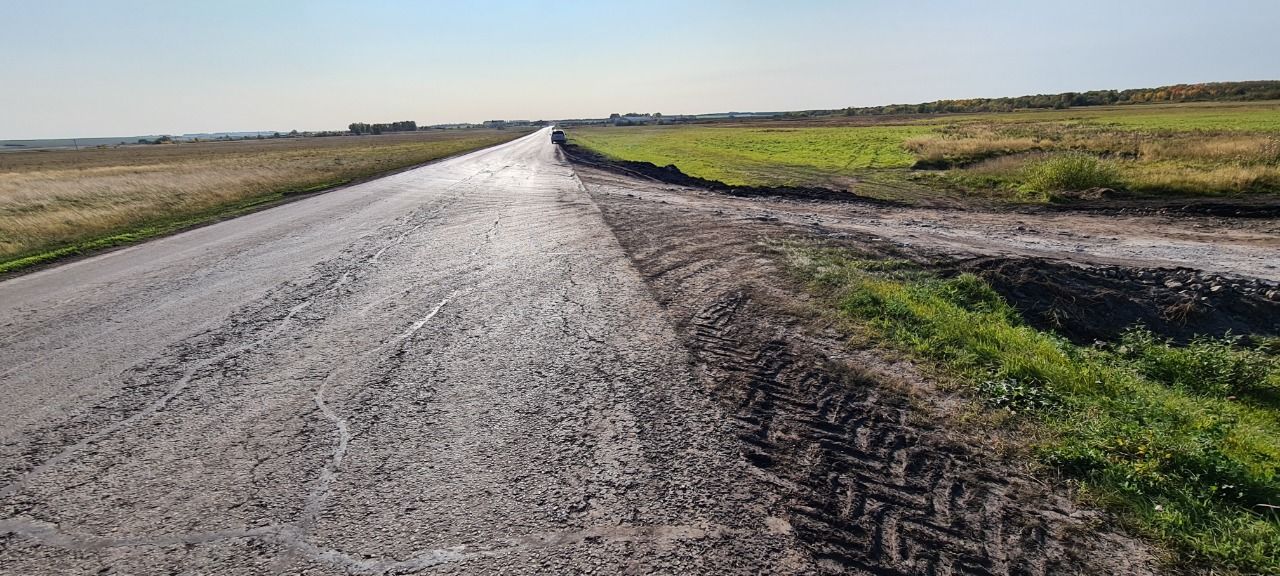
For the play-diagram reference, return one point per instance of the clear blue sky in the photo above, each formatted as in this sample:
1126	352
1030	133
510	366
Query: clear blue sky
108	68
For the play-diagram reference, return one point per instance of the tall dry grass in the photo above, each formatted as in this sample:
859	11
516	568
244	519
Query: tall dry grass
1181	178
1241	149
54	199
938	149
1002	155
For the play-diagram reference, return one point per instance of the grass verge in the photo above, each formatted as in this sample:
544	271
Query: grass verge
1182	442
150	230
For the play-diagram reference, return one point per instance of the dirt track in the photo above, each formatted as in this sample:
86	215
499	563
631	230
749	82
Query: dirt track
877	475
498	364
857	443
1087	274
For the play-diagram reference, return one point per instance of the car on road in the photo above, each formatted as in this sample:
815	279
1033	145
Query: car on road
557	137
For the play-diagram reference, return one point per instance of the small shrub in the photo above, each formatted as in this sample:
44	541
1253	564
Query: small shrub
1069	172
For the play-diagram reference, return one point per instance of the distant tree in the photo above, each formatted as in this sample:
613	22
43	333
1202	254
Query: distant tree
401	126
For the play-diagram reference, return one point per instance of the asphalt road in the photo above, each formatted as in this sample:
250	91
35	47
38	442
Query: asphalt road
453	369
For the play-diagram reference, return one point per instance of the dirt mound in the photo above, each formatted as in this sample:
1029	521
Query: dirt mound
670	174
1106	201
1087	304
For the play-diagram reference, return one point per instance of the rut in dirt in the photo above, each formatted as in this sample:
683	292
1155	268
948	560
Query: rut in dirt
872	482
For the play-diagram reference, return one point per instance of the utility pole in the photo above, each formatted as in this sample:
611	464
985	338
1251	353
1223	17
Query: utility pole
76	143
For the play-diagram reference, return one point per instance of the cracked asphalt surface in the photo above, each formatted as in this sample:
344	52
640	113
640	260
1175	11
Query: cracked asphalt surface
452	369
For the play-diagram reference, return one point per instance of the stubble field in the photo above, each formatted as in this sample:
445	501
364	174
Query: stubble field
60	203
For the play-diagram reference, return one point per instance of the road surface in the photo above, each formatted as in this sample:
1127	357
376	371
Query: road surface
452	369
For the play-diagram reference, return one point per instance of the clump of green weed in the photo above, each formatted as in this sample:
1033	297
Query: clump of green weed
1017	395
1213	367
1072	171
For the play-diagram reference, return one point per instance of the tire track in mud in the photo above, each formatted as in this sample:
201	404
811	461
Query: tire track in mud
872	483
878	492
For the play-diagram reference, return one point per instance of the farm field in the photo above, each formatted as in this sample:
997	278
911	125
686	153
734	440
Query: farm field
59	203
1203	149
759	155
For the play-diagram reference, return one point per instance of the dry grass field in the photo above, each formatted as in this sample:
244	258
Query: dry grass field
57	203
1201	149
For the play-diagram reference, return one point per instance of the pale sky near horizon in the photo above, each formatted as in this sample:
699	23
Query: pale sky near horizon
126	67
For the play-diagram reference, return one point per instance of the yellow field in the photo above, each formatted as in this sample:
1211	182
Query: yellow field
67	201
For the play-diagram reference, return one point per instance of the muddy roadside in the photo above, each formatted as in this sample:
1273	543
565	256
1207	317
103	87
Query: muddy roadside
883	471
1246	248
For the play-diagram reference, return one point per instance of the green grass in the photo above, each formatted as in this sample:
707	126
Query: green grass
1201	149
757	156
1243	118
1182	442
1209	116
1070	171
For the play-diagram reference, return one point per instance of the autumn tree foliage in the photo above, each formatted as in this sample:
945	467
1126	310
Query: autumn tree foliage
1214	91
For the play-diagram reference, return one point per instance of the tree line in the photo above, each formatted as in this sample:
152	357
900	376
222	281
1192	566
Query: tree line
1213	91
363	128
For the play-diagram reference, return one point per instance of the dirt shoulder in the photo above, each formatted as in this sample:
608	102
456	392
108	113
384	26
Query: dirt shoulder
875	477
1246	248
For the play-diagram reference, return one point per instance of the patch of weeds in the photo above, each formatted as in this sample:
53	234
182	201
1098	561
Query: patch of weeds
1017	395
1214	367
1071	171
1269	345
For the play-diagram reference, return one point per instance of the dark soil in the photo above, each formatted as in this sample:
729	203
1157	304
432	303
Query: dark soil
1098	303
1247	207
